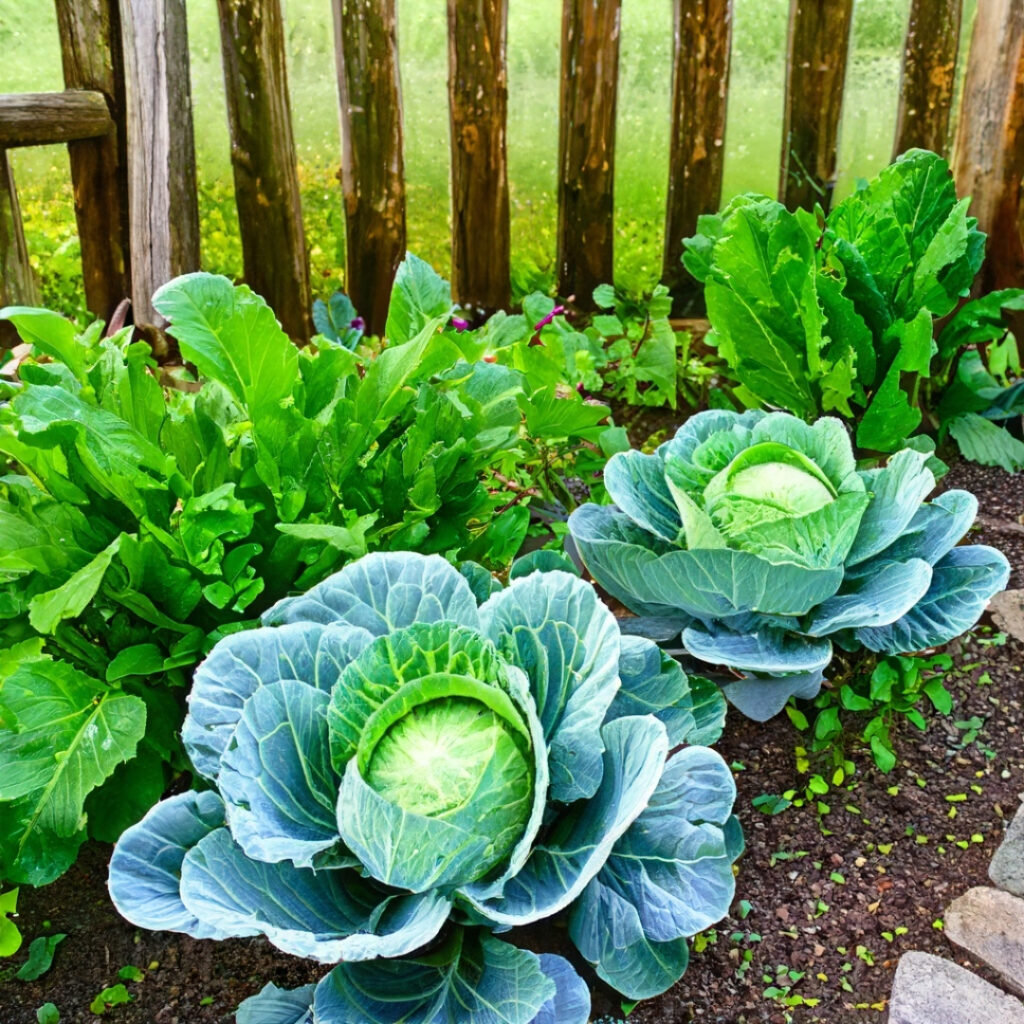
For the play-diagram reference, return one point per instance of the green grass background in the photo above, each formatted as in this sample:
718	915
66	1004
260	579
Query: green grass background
28	40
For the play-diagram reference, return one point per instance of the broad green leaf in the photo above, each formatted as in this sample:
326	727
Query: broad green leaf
474	978
768	651
232	336
73	596
273	1005
327	915
10	936
637	484
72	734
553	626
276	777
985	442
418	296
145	869
49	333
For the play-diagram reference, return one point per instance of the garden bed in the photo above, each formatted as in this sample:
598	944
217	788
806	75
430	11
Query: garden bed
819	920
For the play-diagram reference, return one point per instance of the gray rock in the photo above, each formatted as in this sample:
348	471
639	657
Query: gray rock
1007	609
930	990
989	924
1007	867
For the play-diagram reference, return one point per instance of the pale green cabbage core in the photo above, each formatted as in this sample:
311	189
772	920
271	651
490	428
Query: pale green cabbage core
433	760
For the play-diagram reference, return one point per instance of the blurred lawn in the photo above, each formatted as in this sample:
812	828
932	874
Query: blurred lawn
28	39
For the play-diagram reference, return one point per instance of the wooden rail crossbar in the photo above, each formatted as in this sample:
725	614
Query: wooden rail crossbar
126	118
45	118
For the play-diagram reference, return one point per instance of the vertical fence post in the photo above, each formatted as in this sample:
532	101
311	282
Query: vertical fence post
989	159
478	105
927	76
702	41
17	283
90	45
163	203
263	159
586	146
816	51
372	167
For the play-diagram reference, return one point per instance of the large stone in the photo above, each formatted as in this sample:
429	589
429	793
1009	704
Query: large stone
1007	867
930	990
1007	610
989	924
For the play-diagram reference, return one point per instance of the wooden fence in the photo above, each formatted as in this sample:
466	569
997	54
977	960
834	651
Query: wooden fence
126	118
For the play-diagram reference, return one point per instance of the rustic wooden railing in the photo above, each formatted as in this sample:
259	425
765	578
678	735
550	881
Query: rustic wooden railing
126	118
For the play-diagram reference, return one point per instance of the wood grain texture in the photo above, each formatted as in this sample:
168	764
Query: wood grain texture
989	153
372	167
816	51
17	282
586	146
263	160
46	118
702	41
478	110
927	76
90	44
163	202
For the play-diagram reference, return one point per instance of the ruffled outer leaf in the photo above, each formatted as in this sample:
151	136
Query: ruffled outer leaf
767	651
145	869
382	592
482	980
888	593
242	662
761	698
571	1002
276	777
553	627
669	877
636	483
935	530
653	683
898	489
326	915
273	1005
579	843
962	583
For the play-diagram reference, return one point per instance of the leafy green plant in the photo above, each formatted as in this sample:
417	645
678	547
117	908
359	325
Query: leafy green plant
10	935
816	315
138	523
399	768
756	535
40	956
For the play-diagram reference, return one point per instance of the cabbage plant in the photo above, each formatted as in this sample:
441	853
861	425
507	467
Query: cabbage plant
399	771
756	536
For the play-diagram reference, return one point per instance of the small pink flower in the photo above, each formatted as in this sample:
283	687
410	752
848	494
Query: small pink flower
459	324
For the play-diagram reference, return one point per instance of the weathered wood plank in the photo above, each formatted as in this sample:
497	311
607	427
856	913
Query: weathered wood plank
816	51
989	154
163	202
17	282
927	76
702	42
263	160
90	43
46	118
372	168
586	146
478	106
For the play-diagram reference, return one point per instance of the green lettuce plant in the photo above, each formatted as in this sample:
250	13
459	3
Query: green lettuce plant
839	314
758	538
400	769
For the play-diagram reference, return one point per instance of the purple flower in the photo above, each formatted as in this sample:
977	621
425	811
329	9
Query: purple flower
551	316
459	324
358	324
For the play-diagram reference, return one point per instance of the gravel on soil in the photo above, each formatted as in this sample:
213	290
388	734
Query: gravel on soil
825	905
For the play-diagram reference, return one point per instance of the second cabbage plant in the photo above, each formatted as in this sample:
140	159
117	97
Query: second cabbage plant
756	536
404	764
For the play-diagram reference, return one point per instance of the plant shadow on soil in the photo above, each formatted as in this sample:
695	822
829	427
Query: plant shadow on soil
828	916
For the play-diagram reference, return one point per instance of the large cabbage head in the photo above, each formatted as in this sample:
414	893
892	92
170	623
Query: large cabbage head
756	536
399	769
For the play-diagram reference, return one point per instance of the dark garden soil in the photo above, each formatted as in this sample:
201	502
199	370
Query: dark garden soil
829	903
